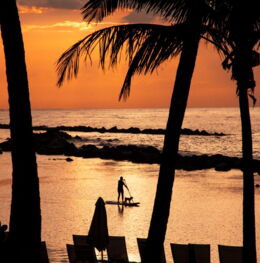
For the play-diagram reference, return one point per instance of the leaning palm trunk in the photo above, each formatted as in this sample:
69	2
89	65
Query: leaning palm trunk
248	181
165	183
25	218
244	82
243	63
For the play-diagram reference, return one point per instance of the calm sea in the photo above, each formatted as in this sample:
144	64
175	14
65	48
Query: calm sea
206	205
226	120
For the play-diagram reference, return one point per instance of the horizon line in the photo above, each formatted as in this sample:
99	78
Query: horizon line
129	108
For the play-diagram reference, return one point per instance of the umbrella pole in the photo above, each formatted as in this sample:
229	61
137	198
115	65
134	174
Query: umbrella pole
101	255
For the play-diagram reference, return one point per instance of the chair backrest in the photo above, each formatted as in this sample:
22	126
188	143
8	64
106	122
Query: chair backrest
180	253
141	242
81	253
190	253
116	250
80	240
44	253
85	253
230	254
71	253
201	252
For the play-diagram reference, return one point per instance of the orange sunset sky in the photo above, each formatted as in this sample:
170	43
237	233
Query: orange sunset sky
50	27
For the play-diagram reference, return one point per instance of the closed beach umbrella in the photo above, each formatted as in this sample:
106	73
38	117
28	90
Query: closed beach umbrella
98	231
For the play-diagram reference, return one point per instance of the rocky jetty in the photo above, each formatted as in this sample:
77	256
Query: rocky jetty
133	130
133	153
55	142
51	142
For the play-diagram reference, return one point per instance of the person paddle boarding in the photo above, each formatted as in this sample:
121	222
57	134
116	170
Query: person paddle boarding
120	188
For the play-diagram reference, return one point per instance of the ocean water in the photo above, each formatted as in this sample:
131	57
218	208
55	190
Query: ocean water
225	120
206	205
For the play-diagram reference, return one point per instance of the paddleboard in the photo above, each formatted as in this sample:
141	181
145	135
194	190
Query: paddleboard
122	203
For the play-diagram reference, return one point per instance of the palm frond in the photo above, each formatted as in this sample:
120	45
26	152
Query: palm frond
156	49
228	61
217	39
98	9
178	10
156	41
233	11
68	63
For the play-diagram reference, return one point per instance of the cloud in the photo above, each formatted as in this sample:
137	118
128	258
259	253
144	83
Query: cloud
68	26
61	26
139	17
31	10
61	4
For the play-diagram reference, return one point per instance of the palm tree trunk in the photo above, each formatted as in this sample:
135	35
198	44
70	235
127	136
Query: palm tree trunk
161	209
245	81
249	239
25	217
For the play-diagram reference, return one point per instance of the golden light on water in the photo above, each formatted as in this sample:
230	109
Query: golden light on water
206	205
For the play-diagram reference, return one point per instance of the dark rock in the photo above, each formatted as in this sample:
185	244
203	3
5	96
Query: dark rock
6	146
52	134
204	133
42	128
88	151
69	159
256	165
134	130
109	152
53	142
223	167
114	129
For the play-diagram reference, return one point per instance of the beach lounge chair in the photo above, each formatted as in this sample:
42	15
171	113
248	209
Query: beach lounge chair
80	240
190	253
141	242
81	254
71	253
44	253
116	250
230	254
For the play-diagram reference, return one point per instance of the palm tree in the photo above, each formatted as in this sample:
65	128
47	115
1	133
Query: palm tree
146	52
241	37
25	218
194	17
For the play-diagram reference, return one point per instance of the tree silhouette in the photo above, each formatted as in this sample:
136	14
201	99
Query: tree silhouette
148	46
242	37
146	52
25	218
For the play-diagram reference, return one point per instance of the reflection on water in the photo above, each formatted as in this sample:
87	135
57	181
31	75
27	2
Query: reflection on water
226	120
120	210
206	205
